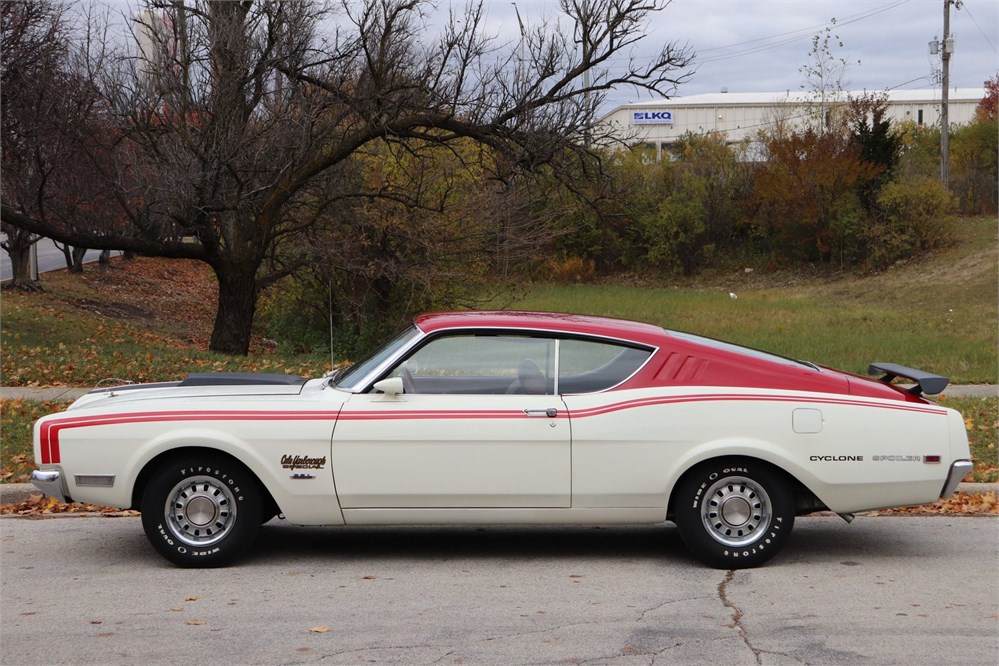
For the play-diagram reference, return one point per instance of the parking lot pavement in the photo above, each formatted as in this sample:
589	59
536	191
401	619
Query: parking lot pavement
904	590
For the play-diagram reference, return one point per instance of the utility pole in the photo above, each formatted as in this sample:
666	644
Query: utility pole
585	32
523	35
946	51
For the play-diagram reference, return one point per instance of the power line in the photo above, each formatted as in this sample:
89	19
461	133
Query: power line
967	10
794	35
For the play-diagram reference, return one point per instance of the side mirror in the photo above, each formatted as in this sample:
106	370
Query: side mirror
391	387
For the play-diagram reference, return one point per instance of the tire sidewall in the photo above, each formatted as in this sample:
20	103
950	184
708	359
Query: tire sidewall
691	494
246	495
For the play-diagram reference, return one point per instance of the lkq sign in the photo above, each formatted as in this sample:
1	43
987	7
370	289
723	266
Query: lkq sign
652	117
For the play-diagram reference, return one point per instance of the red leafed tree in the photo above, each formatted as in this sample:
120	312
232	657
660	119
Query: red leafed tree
987	107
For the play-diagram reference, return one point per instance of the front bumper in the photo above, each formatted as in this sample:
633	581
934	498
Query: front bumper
958	470
51	482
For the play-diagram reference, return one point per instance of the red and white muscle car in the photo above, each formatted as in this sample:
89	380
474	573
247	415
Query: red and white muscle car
514	418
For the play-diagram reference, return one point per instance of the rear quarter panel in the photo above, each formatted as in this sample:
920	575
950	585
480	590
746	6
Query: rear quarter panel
630	447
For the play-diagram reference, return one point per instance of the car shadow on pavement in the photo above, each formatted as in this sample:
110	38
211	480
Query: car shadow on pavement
646	542
815	541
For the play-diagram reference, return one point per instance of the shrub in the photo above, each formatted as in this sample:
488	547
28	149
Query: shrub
675	233
910	220
567	270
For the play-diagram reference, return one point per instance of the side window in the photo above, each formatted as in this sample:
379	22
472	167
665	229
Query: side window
481	364
588	366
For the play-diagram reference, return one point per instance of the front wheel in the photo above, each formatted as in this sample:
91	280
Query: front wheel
734	513
201	511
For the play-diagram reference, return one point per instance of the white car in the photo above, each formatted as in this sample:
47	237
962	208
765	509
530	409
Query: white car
511	418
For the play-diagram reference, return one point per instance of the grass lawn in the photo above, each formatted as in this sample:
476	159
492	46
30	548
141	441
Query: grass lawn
937	314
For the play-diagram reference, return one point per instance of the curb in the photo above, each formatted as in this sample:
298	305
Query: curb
39	394
15	493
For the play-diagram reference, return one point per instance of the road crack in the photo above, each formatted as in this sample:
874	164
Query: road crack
737	615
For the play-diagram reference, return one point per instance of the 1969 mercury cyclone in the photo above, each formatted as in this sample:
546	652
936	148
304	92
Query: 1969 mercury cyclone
515	418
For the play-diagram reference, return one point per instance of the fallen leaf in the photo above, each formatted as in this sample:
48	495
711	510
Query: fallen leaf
322	629
191	599
195	622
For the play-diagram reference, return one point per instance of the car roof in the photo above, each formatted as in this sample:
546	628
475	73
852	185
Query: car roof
543	321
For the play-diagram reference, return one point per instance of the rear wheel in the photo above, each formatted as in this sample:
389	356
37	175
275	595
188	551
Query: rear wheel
201	511
734	513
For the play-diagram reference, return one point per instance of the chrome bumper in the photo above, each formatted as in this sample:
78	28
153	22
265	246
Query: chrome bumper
958	470
50	482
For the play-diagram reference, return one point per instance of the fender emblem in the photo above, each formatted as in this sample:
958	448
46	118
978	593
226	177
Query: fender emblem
302	462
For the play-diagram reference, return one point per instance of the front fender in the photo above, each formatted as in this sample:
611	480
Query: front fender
303	498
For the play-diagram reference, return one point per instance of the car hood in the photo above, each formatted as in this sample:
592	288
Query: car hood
202	385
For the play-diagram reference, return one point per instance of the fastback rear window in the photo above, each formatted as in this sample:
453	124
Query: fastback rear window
739	349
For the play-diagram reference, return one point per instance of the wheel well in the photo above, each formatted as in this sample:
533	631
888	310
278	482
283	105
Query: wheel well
805	499
150	467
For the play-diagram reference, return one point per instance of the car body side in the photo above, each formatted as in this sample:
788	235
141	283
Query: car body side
847	443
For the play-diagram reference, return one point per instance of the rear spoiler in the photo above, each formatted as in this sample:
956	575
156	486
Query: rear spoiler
925	382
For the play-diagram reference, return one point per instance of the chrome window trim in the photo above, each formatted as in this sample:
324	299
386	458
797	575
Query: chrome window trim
366	382
655	350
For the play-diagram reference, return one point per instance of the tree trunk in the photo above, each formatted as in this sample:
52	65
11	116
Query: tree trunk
237	304
18	247
76	259
105	258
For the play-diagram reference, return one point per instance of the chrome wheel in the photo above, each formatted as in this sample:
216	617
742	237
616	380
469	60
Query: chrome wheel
735	511
200	510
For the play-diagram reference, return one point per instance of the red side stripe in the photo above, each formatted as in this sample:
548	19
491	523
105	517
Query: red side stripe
49	435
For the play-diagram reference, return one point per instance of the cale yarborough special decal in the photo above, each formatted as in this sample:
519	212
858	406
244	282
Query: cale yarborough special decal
302	462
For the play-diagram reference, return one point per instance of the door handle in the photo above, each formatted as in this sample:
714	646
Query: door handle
551	412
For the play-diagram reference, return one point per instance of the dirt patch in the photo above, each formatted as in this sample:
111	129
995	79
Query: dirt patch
116	310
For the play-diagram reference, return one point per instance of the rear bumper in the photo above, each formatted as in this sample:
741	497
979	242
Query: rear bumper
958	470
51	482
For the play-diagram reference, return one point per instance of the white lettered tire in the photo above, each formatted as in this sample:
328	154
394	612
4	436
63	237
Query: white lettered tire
734	513
201	510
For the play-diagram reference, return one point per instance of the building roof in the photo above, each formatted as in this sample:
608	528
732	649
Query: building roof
798	97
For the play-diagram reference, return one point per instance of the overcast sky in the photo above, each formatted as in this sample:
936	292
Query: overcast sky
760	45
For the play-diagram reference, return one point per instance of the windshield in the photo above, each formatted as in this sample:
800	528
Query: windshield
362	369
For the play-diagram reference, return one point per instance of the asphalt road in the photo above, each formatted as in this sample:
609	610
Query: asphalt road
900	590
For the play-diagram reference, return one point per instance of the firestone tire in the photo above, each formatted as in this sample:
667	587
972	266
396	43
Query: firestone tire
201	511
734	513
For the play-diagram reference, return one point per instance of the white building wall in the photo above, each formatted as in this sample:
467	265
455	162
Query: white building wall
742	115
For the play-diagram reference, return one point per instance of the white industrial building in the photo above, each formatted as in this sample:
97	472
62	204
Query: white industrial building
740	116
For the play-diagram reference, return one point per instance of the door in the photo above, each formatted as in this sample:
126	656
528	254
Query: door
477	426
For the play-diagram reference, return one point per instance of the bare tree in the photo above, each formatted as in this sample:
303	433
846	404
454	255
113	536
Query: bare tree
824	77
55	135
240	132
31	52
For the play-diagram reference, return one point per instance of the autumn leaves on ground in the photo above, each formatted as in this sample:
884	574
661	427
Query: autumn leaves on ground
143	320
